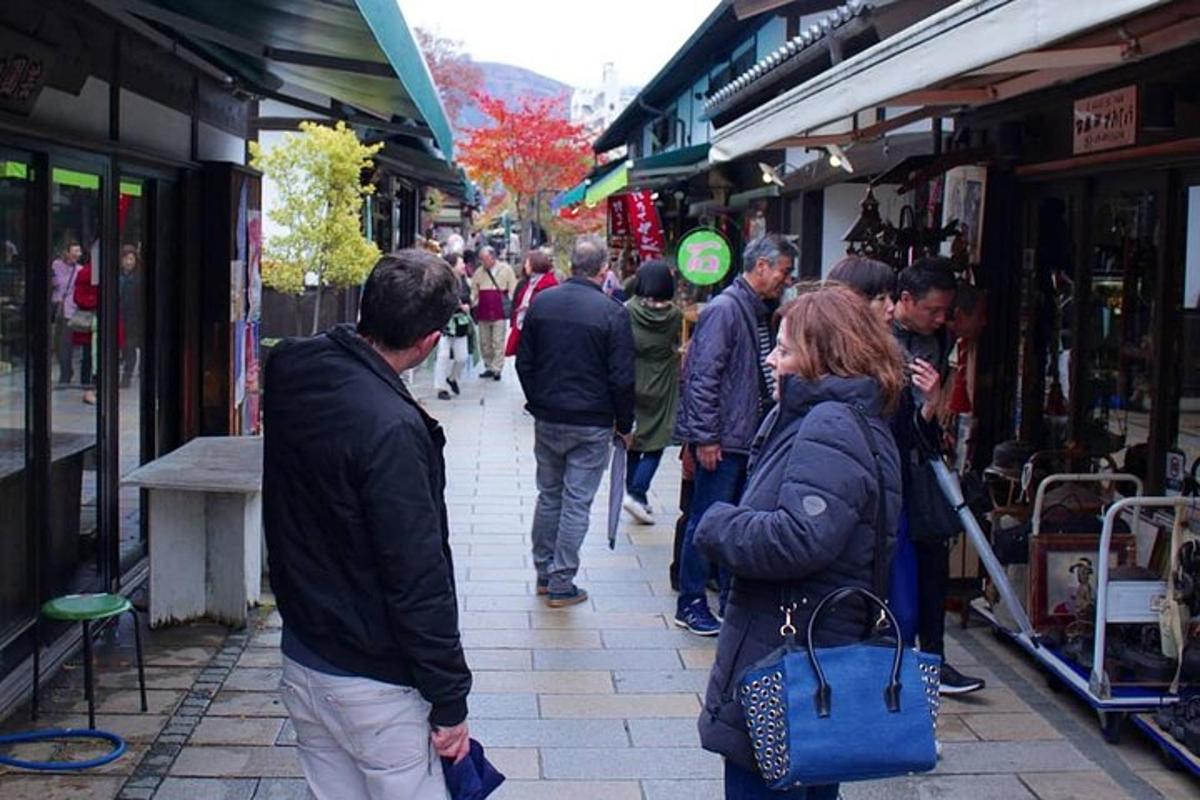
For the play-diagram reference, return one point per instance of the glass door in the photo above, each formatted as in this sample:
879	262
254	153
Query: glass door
18	601
76	550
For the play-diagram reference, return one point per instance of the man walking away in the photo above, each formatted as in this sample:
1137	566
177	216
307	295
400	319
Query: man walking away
727	389
575	362
374	677
926	295
491	286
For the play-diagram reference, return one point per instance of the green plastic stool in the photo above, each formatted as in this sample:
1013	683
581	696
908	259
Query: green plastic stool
86	609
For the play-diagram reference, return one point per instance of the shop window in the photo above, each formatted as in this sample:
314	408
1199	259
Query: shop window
1118	339
17	600
131	347
1188	439
74	550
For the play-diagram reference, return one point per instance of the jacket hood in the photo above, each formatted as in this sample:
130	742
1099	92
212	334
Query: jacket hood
661	319
798	396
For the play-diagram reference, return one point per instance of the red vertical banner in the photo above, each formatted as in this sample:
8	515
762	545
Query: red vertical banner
618	219
645	227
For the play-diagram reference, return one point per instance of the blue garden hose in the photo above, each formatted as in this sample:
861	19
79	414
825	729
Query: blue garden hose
118	749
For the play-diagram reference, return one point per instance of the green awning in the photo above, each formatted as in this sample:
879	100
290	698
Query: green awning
679	157
614	181
360	53
571	197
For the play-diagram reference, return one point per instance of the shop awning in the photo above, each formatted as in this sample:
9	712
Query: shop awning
613	181
423	168
971	53
571	197
679	163
357	52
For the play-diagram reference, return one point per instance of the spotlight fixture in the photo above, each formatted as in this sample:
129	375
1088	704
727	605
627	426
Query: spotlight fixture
839	159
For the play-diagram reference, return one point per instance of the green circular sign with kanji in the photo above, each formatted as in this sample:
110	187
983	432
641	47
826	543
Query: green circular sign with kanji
704	257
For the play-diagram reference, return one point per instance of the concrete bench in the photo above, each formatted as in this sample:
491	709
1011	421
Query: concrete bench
205	529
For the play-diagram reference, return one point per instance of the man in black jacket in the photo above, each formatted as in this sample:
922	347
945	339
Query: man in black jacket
373	674
575	362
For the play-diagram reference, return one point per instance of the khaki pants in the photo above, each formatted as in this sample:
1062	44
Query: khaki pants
360	738
491	344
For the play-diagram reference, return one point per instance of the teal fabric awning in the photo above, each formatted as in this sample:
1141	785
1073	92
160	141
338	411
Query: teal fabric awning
679	157
357	52
571	197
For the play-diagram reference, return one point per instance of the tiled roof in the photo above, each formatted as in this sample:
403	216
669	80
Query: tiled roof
812	36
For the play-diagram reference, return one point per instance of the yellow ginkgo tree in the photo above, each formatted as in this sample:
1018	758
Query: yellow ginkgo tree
317	176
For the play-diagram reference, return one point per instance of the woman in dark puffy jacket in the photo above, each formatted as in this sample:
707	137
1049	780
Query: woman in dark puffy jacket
806	522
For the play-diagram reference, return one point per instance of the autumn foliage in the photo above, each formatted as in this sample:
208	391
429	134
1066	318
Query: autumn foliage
531	150
456	76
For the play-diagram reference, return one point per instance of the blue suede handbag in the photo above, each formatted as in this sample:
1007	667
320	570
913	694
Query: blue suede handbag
822	715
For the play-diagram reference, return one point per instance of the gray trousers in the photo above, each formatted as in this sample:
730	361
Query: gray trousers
361	738
571	460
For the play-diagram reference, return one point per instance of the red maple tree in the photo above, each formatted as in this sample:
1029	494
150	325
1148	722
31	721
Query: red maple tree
454	73
532	150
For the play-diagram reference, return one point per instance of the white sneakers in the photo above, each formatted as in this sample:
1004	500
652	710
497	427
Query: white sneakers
639	511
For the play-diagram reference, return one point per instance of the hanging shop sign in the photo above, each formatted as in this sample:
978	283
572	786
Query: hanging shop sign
618	220
704	256
24	67
1106	121
645	227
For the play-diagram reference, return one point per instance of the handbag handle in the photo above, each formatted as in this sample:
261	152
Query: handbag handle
891	693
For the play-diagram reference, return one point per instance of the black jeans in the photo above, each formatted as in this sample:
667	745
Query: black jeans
933	580
685	513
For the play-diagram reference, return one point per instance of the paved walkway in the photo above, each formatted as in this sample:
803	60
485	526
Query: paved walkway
595	702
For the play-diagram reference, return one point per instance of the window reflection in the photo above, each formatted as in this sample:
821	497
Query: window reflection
16	589
131	338
74	553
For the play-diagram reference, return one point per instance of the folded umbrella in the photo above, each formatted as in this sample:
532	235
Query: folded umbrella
616	490
473	778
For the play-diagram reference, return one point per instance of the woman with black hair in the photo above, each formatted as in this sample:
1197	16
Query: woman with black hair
657	327
874	280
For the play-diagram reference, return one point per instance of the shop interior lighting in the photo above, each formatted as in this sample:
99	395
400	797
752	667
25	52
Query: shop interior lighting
838	158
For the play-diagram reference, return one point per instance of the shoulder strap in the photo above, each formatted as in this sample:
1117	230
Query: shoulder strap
880	567
491	277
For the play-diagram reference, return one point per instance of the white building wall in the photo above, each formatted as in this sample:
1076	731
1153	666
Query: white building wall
149	125
215	144
85	114
841	209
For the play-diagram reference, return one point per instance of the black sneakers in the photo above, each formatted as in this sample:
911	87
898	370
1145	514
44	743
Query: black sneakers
954	682
453	384
443	394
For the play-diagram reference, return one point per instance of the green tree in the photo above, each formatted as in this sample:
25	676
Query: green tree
317	175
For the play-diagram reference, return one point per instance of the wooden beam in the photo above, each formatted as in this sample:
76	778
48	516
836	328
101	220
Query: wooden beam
861	134
744	9
945	97
1063	58
1179	148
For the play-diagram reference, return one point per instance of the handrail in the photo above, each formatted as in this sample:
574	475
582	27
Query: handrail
1078	477
1098	683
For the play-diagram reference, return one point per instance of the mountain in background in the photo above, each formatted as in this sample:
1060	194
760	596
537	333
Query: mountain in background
509	83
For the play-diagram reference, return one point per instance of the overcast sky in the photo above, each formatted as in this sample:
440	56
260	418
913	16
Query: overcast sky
568	40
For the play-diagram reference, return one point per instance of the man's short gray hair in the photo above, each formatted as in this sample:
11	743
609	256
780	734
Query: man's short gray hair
769	247
487	250
589	256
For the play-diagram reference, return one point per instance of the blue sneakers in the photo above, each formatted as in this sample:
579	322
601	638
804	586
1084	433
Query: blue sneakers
696	618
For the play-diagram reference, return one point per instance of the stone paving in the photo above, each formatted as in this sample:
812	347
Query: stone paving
594	702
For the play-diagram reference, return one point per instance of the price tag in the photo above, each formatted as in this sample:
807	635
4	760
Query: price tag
704	257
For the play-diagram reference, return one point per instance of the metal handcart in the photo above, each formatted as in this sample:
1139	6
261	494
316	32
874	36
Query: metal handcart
1124	601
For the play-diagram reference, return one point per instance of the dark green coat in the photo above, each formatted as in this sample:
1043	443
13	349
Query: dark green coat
656	335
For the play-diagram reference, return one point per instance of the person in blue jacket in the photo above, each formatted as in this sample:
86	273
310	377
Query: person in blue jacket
806	522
